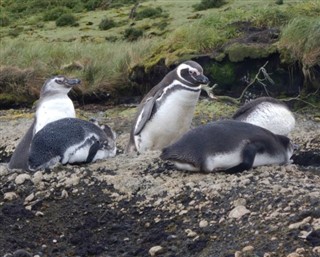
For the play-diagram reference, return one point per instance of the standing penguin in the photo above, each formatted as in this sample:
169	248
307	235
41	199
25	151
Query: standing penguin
229	145
268	113
166	112
54	104
70	140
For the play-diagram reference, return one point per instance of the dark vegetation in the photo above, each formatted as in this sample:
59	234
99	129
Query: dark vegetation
207	4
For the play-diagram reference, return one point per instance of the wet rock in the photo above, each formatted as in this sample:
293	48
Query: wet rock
29	198
248	248
190	233
293	255
37	177
316	250
238	212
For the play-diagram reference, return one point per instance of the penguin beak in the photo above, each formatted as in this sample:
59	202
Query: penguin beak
202	79
73	82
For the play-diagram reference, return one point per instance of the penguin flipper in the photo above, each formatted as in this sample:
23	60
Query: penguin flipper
144	115
19	158
93	150
248	155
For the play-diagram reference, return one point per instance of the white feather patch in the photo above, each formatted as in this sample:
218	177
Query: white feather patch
172	119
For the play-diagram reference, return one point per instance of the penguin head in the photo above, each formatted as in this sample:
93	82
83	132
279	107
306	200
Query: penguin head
58	84
191	73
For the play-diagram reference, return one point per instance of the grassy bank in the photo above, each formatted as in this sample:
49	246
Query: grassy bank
103	44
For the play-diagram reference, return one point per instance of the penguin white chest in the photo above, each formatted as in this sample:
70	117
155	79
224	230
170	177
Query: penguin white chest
171	120
274	118
52	110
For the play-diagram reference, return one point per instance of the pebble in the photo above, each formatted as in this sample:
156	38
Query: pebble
21	178
299	224
155	250
293	255
37	177
3	171
248	248
238	212
190	233
29	198
237	254
240	201
316	249
9	196
203	223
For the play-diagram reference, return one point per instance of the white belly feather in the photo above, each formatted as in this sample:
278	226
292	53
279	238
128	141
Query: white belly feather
170	121
52	110
274	118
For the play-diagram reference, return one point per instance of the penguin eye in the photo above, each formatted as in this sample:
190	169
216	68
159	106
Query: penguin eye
60	81
193	73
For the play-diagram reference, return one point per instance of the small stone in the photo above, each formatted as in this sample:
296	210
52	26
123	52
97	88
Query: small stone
37	177
155	250
316	249
190	233
203	223
3	171
238	212
9	196
248	248
21	253
29	198
39	214
20	179
293	255
240	201
300	250
300	224
237	254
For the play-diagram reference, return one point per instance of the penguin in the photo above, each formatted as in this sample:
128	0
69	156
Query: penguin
229	145
71	140
166	112
52	105
269	113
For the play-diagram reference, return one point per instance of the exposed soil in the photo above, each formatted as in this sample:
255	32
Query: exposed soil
127	205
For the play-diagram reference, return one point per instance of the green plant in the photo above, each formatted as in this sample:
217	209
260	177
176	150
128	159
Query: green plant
66	20
4	20
55	13
106	24
149	12
132	34
207	4
91	5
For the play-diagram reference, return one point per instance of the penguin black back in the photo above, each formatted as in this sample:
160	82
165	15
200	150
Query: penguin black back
221	144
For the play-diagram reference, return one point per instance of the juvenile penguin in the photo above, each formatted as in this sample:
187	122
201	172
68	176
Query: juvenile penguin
269	113
229	145
71	140
53	104
166	112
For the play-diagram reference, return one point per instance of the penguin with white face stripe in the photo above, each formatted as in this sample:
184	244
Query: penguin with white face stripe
229	145
166	112
54	104
71	140
268	113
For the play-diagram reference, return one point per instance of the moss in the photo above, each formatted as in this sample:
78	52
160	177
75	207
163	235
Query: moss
238	52
222	73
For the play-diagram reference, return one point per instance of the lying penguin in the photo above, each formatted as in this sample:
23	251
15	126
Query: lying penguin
228	145
269	113
166	112
54	104
70	140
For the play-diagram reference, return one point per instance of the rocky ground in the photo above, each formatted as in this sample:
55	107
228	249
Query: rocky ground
141	206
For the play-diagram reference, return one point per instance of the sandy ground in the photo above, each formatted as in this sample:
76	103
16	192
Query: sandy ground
141	206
